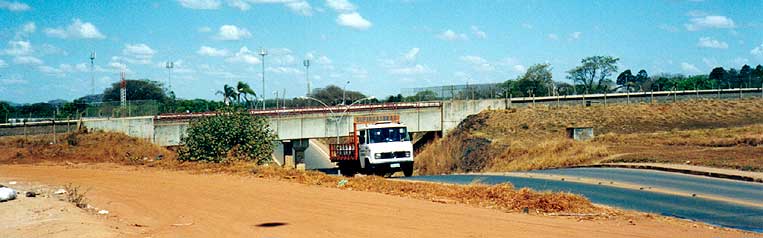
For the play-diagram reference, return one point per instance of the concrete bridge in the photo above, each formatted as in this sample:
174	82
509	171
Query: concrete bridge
296	127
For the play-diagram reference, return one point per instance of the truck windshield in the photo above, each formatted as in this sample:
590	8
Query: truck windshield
393	134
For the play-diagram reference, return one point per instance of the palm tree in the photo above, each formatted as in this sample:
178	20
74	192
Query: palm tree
243	88
228	93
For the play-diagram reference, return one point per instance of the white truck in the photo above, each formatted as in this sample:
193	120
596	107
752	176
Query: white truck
379	145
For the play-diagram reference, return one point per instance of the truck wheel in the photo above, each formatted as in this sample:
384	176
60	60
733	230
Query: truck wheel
349	169
408	170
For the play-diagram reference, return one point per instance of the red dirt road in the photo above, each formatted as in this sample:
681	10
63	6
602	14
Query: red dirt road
180	204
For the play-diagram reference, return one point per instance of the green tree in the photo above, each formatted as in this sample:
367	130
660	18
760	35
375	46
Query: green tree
626	80
718	74
229	94
230	134
593	75
333	95
537	80
142	89
5	111
745	76
758	76
642	78
426	95
732	77
244	89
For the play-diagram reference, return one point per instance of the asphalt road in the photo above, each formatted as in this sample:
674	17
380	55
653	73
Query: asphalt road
713	211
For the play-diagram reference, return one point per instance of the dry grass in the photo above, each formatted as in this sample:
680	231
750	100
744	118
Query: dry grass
81	147
534	138
120	149
548	154
503	197
76	196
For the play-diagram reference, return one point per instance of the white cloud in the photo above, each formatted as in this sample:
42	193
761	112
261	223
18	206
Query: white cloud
353	20
689	68
48	49
411	54
757	51
231	32
300	7
76	30
519	68
707	42
341	5
412	70
138	50
451	35
527	26
244	55
29	27
479	34
357	72
3	64
210	51
14	6
204	29
200	4
324	60
284	70
552	36
118	66
699	23
478	63
17	48
575	35
710	63
137	54
27	60
668	28
50	70
240	4
696	13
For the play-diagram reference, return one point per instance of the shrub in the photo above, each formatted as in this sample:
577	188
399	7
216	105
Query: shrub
231	134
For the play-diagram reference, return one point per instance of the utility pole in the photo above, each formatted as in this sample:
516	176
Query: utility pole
263	53
92	73
169	67
306	63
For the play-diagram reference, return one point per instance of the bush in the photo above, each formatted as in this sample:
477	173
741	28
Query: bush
231	134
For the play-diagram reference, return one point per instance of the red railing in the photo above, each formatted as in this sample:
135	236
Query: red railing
339	152
310	110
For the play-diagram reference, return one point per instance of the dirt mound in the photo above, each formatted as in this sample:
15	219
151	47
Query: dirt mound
535	137
81	147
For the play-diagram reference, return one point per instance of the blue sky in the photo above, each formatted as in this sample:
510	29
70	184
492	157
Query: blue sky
379	46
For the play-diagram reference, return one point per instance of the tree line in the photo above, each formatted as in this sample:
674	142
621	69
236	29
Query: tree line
595	74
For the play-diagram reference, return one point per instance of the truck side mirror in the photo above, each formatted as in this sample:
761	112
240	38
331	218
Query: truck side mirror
362	140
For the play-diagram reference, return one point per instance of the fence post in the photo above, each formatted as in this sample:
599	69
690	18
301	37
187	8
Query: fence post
54	131
719	92
605	98
651	97
740	93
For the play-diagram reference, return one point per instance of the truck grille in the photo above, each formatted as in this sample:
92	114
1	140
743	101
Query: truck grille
392	155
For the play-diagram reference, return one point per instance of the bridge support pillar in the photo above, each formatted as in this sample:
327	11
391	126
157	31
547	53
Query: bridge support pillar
299	146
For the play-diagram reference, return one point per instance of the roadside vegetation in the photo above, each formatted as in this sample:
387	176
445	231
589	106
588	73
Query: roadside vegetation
116	148
718	133
231	134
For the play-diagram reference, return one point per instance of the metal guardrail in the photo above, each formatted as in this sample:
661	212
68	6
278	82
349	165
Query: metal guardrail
408	105
312	110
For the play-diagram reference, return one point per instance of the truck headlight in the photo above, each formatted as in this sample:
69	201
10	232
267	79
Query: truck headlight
377	156
408	154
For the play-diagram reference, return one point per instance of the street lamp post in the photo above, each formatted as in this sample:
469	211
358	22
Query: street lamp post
334	114
169	67
92	71
263	53
306	63
344	91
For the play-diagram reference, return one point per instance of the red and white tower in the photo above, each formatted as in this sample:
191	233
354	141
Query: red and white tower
123	91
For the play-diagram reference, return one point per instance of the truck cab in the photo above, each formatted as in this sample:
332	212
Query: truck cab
385	147
379	144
